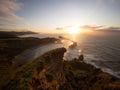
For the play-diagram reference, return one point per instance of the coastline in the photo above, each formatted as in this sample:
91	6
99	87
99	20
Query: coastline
33	53
49	71
10	47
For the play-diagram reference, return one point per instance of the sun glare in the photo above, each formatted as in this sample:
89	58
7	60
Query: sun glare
74	30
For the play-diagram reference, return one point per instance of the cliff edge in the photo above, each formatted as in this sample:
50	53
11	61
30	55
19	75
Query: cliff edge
50	72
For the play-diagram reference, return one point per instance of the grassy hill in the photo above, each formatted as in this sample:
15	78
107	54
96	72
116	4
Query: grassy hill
10	46
50	72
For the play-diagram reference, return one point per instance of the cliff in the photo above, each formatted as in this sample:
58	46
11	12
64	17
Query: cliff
50	72
10	46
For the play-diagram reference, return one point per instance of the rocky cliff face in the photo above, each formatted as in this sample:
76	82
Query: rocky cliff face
56	74
50	72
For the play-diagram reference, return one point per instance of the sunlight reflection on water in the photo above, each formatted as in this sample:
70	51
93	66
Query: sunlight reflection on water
101	49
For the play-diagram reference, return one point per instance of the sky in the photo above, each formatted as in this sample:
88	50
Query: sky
50	15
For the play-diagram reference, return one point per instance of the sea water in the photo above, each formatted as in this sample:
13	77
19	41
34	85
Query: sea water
100	48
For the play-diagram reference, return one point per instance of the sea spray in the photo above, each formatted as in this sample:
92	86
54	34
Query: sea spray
73	49
72	52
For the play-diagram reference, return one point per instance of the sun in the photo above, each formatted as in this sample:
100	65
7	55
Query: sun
73	30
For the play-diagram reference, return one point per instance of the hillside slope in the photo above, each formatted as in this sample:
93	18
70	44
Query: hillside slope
50	72
11	46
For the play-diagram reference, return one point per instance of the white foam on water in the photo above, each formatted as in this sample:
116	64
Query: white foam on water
88	59
72	53
116	74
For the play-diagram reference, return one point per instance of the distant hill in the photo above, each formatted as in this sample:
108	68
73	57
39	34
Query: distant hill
13	34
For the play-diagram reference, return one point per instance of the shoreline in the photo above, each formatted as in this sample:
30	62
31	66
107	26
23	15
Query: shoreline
103	69
15	46
19	59
50	70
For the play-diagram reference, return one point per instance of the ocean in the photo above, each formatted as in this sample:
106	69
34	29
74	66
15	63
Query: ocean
100	48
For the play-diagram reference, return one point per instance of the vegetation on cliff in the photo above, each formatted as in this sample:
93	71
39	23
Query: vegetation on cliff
50	72
26	76
10	46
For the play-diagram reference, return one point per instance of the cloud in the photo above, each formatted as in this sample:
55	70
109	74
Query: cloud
63	28
59	28
8	8
8	16
2	25
91	27
7	26
28	24
85	27
15	26
110	28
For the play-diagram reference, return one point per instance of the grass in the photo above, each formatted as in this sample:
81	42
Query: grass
73	75
24	74
9	48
